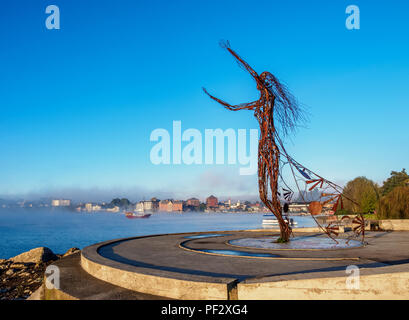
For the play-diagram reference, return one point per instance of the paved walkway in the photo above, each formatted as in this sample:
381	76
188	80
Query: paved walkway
167	255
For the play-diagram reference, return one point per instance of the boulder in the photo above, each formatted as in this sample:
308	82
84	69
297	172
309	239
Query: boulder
9	272
37	255
19	265
71	251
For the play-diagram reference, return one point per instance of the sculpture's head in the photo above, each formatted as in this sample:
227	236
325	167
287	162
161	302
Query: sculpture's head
265	83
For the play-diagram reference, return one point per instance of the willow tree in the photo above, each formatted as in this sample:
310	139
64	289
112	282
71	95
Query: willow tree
395	205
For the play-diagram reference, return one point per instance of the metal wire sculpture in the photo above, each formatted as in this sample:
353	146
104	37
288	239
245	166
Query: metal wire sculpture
279	114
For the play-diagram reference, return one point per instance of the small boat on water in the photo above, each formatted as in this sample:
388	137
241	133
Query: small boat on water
133	215
270	221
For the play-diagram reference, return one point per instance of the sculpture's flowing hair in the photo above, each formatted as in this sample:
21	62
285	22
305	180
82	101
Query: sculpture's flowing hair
288	113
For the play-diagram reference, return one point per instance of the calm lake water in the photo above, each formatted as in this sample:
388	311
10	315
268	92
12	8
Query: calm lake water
59	230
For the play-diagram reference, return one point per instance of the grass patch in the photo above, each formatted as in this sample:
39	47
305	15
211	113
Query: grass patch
281	240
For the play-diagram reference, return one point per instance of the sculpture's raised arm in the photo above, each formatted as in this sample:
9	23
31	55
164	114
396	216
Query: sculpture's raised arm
240	61
246	106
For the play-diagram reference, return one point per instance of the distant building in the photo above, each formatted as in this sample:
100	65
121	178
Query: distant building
255	207
193	202
88	207
65	203
96	208
150	205
114	209
165	205
298	207
170	205
60	203
155	204
177	206
212	202
327	208
147	205
139	207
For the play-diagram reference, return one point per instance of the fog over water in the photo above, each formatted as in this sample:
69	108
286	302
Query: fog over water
24	229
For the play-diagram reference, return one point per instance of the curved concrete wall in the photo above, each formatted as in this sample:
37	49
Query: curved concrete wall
157	285
386	286
394	225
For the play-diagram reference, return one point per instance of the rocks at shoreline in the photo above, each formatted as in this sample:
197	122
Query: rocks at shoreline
37	255
23	274
71	251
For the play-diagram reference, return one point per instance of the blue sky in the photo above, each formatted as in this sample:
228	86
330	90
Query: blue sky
78	104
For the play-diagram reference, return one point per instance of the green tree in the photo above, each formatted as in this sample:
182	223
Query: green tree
395	205
369	201
116	202
125	202
120	202
364	193
396	179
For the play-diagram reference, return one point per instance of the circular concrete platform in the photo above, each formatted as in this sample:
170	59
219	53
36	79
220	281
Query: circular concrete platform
207	266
